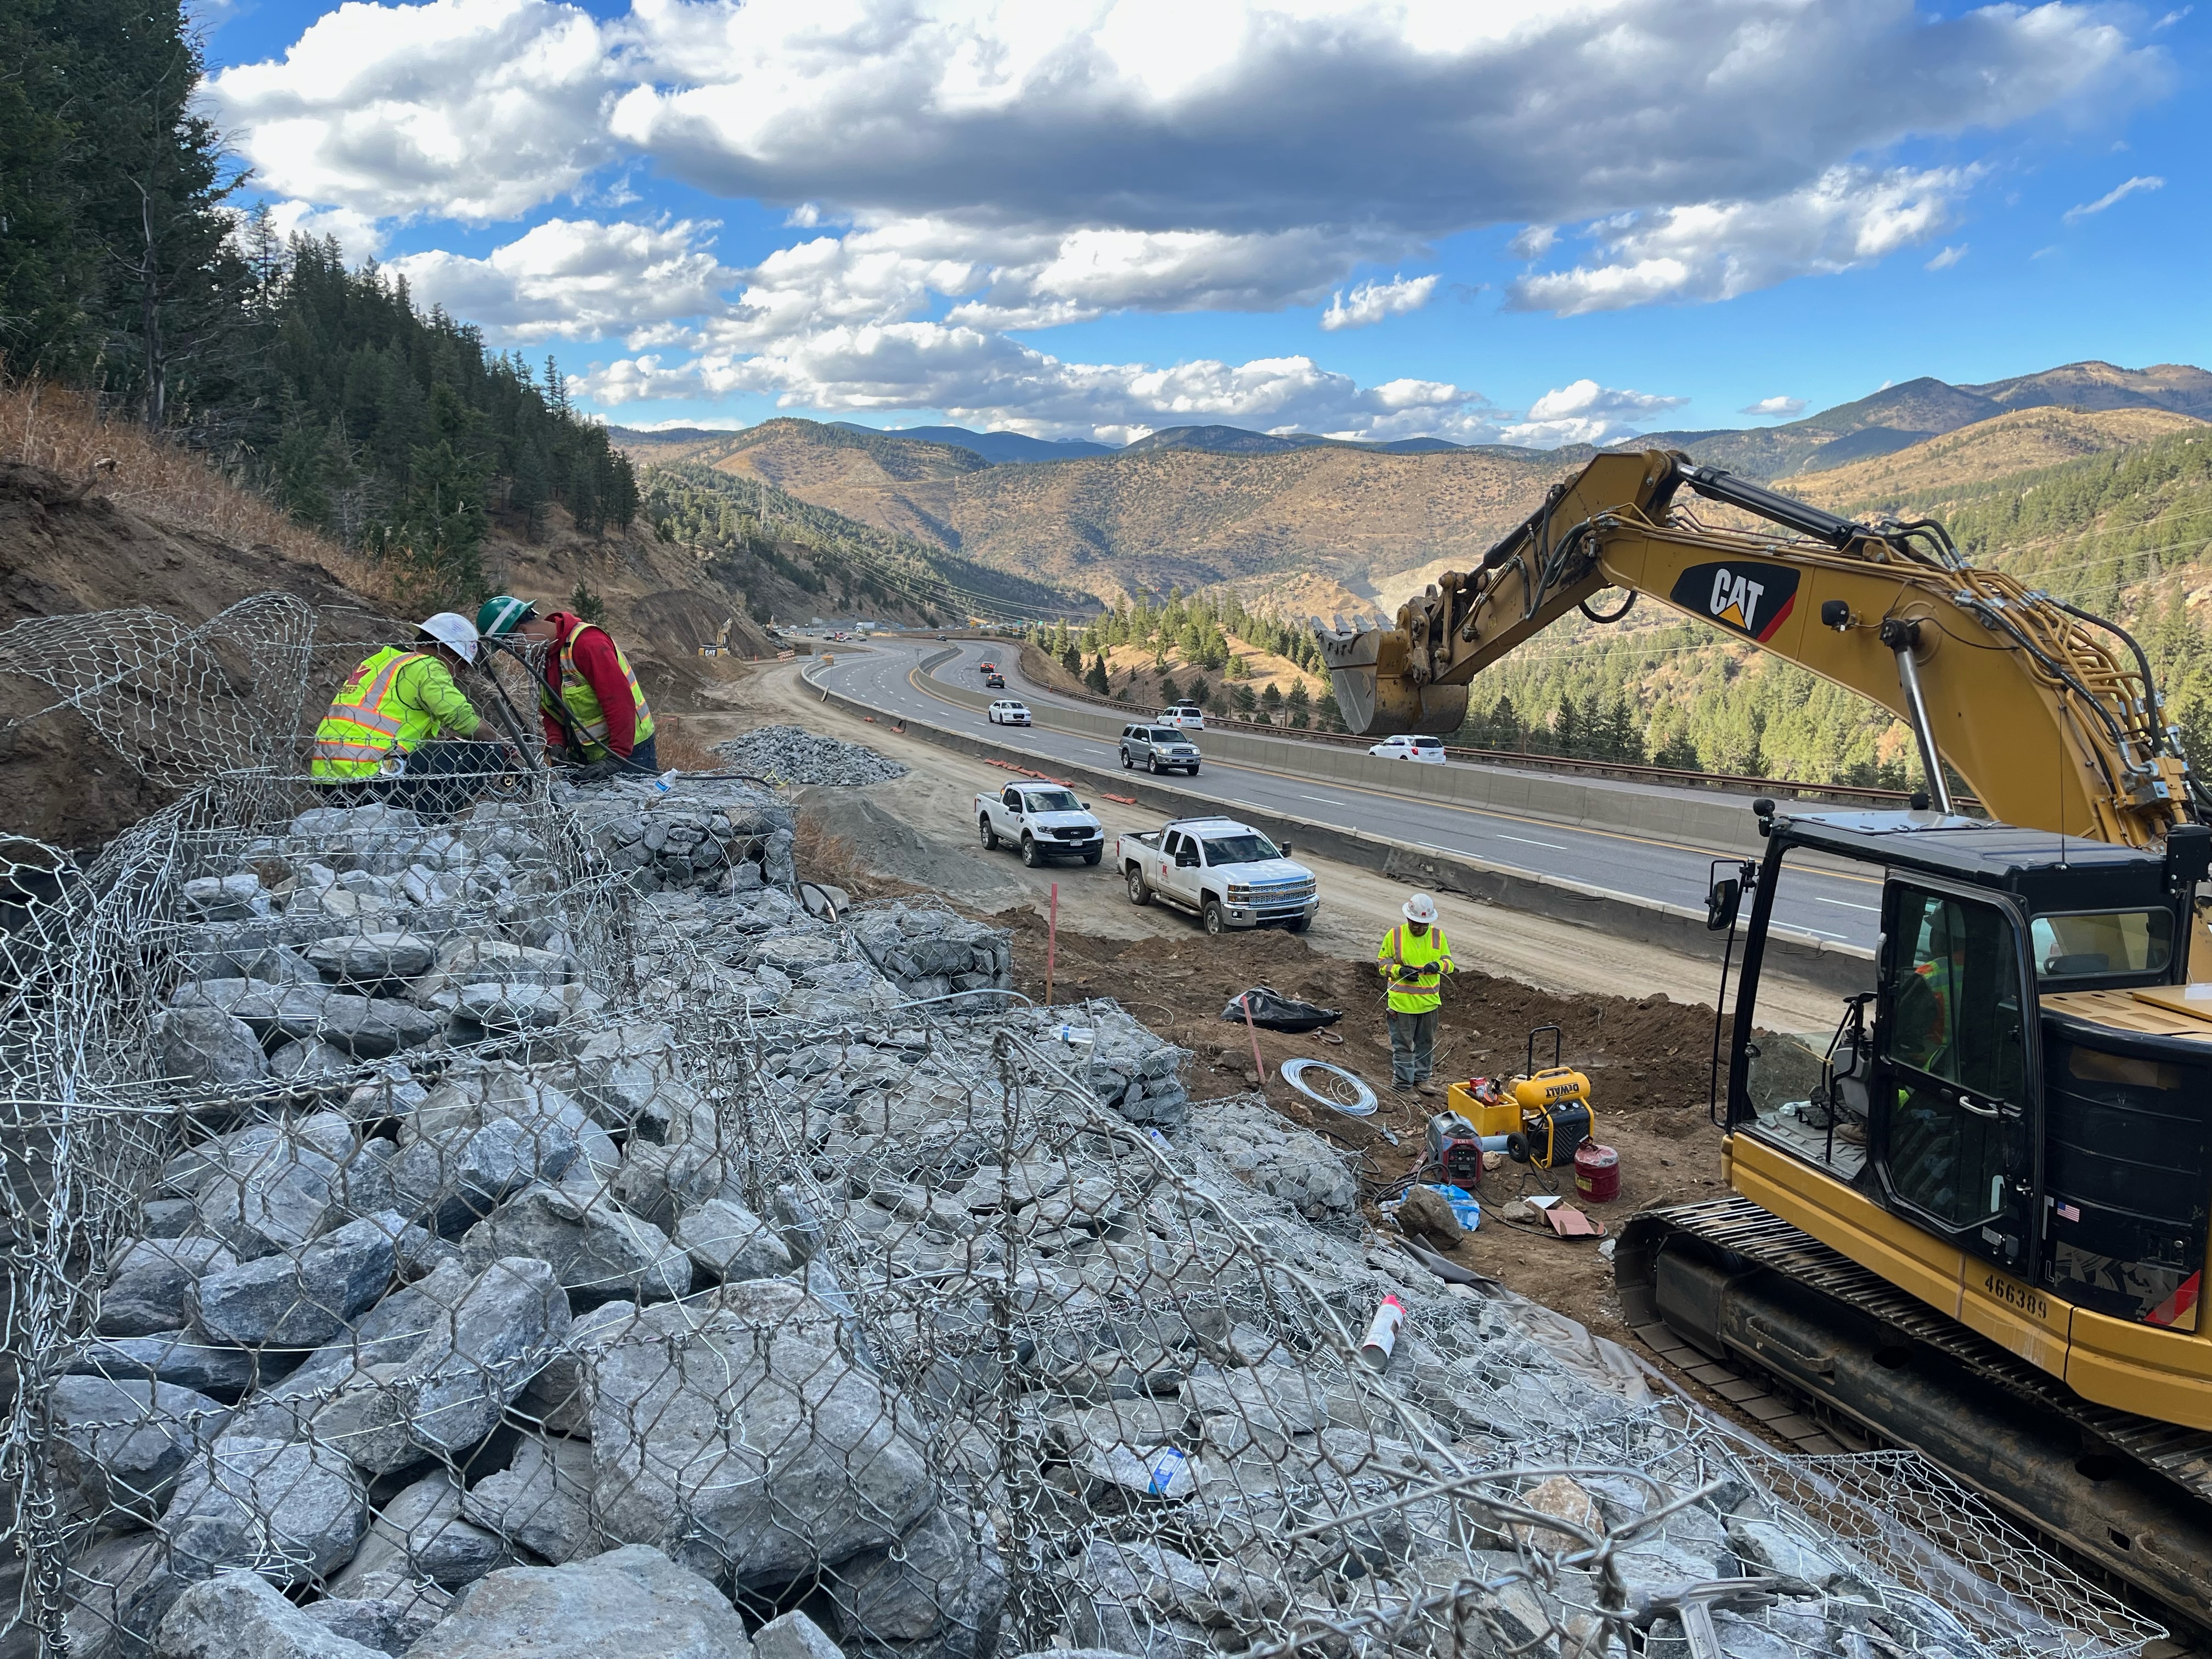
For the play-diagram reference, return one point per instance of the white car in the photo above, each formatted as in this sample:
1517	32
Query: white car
1188	715
1408	747
1009	711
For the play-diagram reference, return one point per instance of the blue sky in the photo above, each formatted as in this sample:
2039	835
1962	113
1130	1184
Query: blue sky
1531	221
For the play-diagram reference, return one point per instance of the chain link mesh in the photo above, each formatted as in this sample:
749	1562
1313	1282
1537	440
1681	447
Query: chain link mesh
401	1203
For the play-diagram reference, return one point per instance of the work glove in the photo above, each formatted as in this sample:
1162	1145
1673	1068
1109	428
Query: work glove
599	772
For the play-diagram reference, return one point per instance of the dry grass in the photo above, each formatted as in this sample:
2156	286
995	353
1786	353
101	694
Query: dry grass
674	744
64	432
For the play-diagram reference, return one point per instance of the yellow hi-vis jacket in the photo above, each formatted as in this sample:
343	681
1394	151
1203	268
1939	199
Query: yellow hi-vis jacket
1431	952
392	701
586	717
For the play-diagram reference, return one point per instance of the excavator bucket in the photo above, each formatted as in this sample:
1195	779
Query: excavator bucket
1369	665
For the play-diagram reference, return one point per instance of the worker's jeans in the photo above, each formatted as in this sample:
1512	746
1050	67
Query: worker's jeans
1413	1047
438	779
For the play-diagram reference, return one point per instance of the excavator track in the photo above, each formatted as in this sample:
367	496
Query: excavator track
1759	1305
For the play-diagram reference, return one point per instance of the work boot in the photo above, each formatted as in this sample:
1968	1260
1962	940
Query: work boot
1425	1087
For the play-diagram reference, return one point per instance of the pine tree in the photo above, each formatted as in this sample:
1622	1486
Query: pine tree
1094	677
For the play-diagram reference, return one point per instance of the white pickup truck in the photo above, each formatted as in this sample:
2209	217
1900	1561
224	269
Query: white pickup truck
1229	872
1044	820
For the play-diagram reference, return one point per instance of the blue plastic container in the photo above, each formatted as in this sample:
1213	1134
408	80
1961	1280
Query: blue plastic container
1464	1204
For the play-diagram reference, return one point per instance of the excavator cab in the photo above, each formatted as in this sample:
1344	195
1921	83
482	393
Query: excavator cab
2024	1088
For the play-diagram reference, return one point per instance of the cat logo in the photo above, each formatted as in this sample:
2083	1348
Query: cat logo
1748	597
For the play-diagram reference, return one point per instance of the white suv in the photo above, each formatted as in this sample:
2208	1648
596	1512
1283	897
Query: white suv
1009	711
1412	748
1188	715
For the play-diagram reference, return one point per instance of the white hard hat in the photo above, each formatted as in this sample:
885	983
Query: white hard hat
452	629
1420	908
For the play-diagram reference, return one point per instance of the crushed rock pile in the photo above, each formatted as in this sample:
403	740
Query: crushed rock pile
716	1265
790	754
721	837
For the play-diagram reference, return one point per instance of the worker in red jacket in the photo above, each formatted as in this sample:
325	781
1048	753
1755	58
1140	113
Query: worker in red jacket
595	715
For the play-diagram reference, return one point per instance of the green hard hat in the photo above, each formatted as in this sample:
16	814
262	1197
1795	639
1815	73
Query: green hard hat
500	615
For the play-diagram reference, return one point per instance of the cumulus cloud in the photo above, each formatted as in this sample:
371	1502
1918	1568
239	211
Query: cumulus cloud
1585	413
1370	303
572	279
2118	193
360	235
1534	242
1719	250
1770	407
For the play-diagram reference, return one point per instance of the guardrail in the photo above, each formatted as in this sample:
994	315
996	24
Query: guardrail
1617	771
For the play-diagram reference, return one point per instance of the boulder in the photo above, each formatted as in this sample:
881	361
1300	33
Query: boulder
510	1005
728	1240
541	1501
207	1046
734	1428
288	1511
1428	1214
483	1095
793	1635
308	1062
222	898
117	1445
556	1397
390	1623
945	1584
598	1251
237	1615
634	1603
119	1588
373	959
149	1285
171	1356
420	1532
299	1301
273	1187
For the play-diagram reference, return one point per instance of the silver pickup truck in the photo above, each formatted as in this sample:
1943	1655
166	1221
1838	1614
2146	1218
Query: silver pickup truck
1044	820
1229	872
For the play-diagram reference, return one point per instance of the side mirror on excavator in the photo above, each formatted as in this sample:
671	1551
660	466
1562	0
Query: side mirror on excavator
1723	901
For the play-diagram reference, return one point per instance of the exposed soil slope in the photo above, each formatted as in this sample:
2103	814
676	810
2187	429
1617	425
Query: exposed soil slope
1988	450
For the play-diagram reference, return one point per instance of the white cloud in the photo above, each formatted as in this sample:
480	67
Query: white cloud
576	280
1584	413
1767	408
1371	302
361	236
2118	193
2172	18
1946	258
1719	250
1534	242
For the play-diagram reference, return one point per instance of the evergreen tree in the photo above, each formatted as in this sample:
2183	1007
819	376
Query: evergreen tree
1095	675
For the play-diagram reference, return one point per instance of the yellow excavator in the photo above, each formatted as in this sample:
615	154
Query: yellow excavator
1973	1220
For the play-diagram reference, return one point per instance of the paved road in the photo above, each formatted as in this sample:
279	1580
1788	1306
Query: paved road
1834	906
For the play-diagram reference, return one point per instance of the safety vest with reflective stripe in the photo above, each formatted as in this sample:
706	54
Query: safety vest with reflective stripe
367	723
587	721
1427	952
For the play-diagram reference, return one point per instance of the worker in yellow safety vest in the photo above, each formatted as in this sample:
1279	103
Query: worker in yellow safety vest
596	716
401	733
1413	959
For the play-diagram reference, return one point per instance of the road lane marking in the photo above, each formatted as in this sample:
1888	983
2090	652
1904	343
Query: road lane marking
1556	846
1819	899
1329	800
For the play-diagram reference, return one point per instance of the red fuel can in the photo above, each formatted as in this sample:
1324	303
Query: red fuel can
1597	1173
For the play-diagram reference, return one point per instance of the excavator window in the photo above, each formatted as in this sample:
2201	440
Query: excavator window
2098	944
1953	1034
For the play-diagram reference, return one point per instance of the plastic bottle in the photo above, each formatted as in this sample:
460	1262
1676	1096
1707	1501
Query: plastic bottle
1073	1035
666	781
1382	1333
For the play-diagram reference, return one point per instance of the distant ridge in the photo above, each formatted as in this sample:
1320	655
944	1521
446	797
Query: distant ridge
993	446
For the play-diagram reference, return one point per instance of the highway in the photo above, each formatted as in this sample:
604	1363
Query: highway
1830	905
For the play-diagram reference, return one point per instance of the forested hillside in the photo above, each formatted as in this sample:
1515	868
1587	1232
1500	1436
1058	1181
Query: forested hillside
123	275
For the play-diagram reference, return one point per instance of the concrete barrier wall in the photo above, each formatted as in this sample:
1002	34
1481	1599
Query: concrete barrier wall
1844	968
1718	824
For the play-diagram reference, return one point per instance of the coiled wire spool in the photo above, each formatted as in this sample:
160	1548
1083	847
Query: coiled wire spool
1332	1091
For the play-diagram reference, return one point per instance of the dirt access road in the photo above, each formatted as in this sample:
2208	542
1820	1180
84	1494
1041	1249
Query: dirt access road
1636	1019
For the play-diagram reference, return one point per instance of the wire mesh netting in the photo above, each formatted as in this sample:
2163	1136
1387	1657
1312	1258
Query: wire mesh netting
429	1226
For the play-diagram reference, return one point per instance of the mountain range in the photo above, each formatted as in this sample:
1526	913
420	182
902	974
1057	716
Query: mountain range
1352	525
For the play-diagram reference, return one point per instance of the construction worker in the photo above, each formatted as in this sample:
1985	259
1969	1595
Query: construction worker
595	714
400	732
1413	959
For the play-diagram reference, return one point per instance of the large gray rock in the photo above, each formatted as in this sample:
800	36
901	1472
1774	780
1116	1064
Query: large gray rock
598	1252
273	1187
308	1063
420	1532
541	1501
390	1623
118	1590
447	1394
373	959
634	1603
238	1615
507	1006
222	898
303	1300
289	1511
117	1445
150	1286
366	1027
793	1635
663	1183
452	1179
173	1357
728	1240
480	1095
734	1428
207	1046
556	1397
945	1584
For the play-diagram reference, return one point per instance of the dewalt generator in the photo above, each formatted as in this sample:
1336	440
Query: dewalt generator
1540	1118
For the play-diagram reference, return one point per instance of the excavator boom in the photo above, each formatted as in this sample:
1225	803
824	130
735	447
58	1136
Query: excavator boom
2050	714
